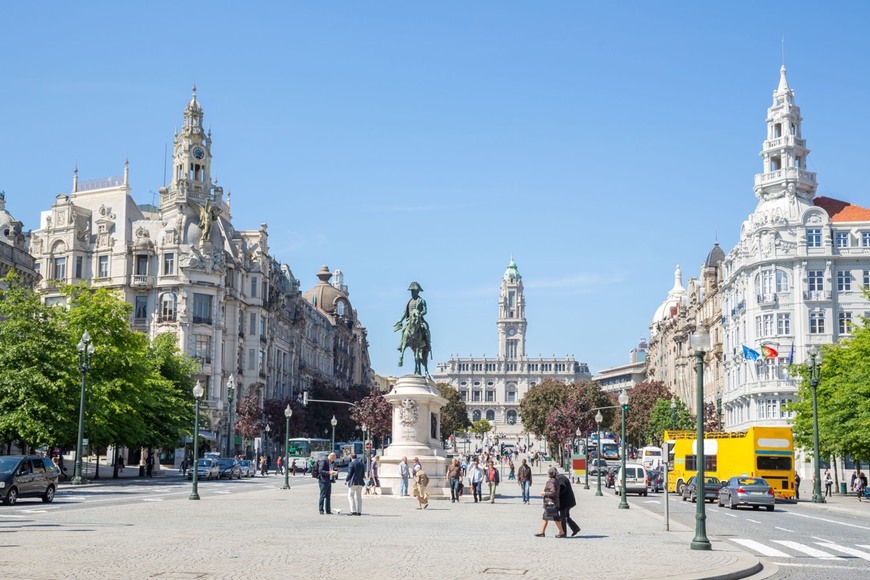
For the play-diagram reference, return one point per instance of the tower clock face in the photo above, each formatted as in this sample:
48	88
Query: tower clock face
512	331
198	152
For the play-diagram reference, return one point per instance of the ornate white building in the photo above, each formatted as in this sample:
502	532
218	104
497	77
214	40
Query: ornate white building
492	388
187	270
13	247
795	278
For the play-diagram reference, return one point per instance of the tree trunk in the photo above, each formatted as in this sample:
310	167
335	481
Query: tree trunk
836	473
115	462
97	468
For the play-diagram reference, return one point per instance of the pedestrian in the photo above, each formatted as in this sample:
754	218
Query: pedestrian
293	468
149	464
417	467
373	475
263	466
475	479
797	485
551	505
184	467
860	485
326	474
355	480
525	480
454	479
566	502
492	479
511	470
421	482
279	465
404	475
828	483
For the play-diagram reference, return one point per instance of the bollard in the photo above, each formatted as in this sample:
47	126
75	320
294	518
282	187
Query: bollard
842	488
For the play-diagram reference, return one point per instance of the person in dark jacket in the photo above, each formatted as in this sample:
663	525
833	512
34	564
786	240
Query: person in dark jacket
325	474
551	505
566	502
356	479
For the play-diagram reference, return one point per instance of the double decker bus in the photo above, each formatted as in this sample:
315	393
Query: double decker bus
766	452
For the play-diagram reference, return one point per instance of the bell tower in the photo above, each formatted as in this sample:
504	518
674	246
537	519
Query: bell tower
511	315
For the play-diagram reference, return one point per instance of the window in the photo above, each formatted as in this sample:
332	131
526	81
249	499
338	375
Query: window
511	417
815	280
262	326
776	463
463	395
252	327
844	280
841	239
201	308
817	322
709	462
475	396
261	361
814	237
866	278
767	325
511	349
202	348
511	396
844	322
103	267
140	313
252	358
490	396
169	263
253	286
60	268
168	306
781	281
475	415
141	265
783	323
78	266
490	415
865	239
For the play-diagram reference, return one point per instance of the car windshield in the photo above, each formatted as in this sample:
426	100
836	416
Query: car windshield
711	480
226	462
204	463
8	464
751	481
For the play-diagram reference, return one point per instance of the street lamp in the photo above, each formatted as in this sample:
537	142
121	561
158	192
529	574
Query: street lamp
288	412
586	453
623	403
231	389
366	449
86	352
700	343
598	420
197	396
814	368
333	422
674	413
265	442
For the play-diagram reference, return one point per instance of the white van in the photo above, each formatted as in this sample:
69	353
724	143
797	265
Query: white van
650	457
635	479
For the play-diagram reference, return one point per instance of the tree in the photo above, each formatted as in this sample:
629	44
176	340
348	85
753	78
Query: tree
376	413
577	413
662	420
454	415
642	400
539	401
481	427
711	418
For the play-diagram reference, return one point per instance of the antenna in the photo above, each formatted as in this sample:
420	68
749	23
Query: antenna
783	50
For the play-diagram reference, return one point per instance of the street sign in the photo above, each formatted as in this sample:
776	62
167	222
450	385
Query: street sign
368	444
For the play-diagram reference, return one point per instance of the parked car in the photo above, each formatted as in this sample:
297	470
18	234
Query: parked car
206	468
229	468
246	466
656	479
712	485
27	476
635	479
752	491
597	464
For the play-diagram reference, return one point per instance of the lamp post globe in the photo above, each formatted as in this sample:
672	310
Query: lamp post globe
623	404
598	419
198	392
86	352
815	364
333	422
265	442
231	389
288	412
700	343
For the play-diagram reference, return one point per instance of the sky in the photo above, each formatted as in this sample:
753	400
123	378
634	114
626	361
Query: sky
598	144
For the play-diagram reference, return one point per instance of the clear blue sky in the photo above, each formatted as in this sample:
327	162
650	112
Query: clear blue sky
599	144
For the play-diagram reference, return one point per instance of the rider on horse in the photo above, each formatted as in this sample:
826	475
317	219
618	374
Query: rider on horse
415	333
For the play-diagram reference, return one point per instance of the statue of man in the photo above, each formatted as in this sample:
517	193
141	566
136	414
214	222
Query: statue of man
413	319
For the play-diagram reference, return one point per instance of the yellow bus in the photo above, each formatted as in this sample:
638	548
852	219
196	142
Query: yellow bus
766	452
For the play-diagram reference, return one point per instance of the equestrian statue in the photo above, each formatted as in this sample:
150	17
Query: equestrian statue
415	332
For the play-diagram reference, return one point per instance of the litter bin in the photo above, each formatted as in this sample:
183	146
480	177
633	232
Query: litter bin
842	488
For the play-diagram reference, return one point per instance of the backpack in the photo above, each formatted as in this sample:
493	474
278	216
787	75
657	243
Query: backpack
315	470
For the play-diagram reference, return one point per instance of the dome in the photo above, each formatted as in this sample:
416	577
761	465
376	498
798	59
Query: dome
715	257
512	272
672	301
327	297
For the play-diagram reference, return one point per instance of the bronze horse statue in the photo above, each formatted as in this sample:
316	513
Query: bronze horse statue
415	332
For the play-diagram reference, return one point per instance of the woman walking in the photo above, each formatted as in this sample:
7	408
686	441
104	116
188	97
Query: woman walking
551	505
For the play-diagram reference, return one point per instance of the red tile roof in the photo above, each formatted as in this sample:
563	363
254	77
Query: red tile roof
841	211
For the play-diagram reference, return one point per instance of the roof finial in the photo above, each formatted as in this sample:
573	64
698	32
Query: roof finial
783	50
194	88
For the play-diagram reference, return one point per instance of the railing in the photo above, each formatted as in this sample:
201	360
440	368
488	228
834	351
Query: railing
766	299
202	320
792	172
99	183
142	280
168	318
817	295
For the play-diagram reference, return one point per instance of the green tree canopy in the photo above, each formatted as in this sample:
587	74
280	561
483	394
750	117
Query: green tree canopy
661	419
537	404
454	415
481	427
642	401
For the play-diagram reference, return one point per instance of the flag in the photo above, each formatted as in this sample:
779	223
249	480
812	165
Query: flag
750	354
768	352
791	355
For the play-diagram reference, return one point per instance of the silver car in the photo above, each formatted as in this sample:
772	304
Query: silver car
744	490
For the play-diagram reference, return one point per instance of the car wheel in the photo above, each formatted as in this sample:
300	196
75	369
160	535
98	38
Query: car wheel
48	496
731	504
11	496
755	507
720	502
680	487
644	494
692	497
769	508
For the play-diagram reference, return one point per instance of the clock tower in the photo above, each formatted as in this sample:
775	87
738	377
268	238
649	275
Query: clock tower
511	315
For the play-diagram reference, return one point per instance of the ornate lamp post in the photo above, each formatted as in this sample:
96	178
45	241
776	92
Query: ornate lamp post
623	403
673	413
198	391
265	445
814	366
231	389
700	343
288	412
333	422
366	450
86	352
598	419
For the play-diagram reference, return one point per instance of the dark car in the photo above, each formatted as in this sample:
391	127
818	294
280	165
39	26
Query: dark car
229	468
711	489
656	480
27	476
596	465
206	468
752	491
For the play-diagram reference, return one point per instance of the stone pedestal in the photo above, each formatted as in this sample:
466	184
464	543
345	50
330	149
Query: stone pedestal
416	433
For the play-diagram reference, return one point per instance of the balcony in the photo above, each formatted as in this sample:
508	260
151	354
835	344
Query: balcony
142	281
817	295
766	299
263	338
763	179
202	320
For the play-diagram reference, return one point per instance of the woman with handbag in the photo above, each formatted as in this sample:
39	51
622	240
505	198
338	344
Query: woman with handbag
551	505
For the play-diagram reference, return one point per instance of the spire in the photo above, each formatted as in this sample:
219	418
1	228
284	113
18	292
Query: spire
75	179
678	282
783	82
126	171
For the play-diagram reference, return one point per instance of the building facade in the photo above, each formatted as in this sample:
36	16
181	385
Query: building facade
187	270
14	253
492	388
624	377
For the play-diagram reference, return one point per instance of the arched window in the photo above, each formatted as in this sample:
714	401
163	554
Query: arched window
168	306
475	415
341	308
490	415
511	417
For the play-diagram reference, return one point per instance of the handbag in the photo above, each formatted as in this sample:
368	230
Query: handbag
551	510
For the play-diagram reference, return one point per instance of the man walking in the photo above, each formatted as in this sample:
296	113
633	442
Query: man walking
524	476
566	502
492	478
475	477
404	474
454	477
325	474
356	475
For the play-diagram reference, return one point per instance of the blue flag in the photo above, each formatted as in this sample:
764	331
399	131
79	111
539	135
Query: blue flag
750	354
791	355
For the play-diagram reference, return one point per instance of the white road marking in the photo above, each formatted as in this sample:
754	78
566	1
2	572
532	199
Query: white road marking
783	529
153	499
866	546
845	550
11	516
223	492
753	521
808	550
829	521
729	515
826	566
34	511
761	548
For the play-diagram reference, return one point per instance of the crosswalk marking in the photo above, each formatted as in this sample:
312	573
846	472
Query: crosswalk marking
808	550
845	550
761	548
865	546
